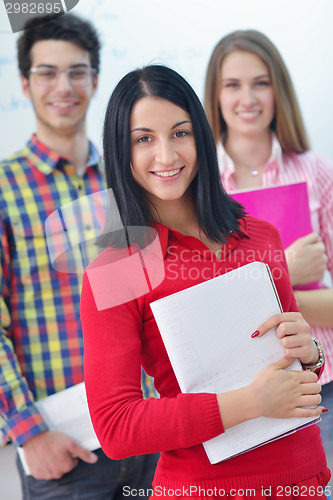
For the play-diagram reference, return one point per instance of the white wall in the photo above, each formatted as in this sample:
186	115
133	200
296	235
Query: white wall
182	34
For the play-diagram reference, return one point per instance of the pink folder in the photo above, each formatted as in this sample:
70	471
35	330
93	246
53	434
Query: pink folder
286	206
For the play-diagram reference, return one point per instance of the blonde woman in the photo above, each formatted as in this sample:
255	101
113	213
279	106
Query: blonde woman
261	141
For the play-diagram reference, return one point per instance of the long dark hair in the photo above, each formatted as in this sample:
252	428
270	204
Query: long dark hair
217	213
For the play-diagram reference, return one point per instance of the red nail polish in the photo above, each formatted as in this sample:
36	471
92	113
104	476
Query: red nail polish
255	334
325	410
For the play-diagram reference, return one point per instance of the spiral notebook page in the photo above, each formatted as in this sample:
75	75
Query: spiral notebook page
207	331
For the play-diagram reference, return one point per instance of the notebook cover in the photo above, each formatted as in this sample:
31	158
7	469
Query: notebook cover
285	206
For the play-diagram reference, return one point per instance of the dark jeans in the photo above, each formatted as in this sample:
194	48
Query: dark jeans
104	480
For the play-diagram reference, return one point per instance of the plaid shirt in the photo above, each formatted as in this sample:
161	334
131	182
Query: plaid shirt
41	345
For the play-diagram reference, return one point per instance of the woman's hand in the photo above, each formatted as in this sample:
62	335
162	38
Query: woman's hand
306	259
281	393
275	393
294	333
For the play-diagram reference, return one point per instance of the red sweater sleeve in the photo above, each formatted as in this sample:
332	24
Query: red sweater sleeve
124	422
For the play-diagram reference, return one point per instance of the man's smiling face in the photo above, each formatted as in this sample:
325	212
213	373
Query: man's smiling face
61	108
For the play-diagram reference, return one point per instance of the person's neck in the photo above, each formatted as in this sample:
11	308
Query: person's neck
249	151
179	215
74	146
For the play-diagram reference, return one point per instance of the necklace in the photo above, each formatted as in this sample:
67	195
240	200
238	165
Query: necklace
254	172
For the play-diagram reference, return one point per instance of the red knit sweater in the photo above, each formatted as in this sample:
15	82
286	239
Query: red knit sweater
119	339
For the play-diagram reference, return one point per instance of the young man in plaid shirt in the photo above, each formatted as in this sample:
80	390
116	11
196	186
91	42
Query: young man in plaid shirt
41	347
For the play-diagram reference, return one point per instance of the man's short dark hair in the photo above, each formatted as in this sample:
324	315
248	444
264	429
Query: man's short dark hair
66	27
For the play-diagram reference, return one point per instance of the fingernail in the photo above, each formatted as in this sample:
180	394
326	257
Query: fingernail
255	334
325	410
93	458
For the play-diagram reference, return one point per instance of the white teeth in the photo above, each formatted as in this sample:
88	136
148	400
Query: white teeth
249	114
168	174
62	104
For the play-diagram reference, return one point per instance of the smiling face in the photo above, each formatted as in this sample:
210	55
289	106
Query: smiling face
246	98
163	149
61	109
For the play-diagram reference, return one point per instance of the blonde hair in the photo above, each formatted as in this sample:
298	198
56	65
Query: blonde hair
287	123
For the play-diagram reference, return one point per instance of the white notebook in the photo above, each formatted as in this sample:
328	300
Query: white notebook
207	331
67	411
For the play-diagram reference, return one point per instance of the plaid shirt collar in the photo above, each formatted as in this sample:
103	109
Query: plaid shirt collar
46	160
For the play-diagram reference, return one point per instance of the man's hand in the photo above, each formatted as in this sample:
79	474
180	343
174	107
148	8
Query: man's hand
306	260
52	454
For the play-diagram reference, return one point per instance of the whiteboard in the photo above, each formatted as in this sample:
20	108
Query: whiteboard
182	34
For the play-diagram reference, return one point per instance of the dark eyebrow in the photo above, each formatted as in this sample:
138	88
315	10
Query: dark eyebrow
79	65
144	129
180	123
56	67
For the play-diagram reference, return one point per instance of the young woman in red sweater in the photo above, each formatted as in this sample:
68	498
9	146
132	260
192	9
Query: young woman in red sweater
160	162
